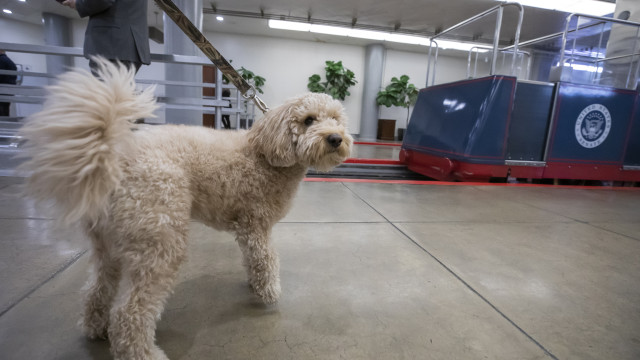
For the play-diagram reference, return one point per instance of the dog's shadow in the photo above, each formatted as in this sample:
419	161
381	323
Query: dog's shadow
203	306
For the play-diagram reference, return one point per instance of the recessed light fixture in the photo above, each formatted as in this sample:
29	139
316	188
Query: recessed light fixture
219	18
7	11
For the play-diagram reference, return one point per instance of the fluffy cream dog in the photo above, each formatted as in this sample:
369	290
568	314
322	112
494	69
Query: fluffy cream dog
136	191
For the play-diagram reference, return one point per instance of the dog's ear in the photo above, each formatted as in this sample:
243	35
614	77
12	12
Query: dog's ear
273	136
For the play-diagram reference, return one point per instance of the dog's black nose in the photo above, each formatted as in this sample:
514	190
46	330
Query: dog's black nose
335	140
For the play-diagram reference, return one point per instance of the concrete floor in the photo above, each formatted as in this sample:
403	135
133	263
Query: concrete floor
369	271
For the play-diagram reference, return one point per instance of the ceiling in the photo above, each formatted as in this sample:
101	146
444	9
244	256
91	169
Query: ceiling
420	17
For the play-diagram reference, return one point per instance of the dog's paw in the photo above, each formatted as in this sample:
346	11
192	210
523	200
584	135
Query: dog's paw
94	331
269	293
95	325
158	354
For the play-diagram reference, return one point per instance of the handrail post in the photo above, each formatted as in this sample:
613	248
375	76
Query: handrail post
496	41
516	40
635	47
564	40
469	62
218	120
429	62
435	63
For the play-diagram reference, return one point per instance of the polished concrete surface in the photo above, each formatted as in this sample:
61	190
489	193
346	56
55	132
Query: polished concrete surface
369	271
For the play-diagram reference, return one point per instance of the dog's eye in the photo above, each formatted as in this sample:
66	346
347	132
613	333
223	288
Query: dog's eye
309	120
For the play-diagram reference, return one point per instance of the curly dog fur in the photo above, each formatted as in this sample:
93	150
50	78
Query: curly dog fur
136	191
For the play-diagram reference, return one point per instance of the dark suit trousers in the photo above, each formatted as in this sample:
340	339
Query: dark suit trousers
129	64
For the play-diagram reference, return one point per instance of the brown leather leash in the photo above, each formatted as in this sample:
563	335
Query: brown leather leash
192	32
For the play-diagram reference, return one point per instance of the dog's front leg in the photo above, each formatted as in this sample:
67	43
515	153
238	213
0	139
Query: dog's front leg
262	264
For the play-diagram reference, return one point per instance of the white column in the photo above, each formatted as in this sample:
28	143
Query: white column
373	70
57	31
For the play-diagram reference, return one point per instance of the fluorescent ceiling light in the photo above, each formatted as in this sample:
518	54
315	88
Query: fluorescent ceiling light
455	45
367	34
407	39
372	35
289	25
588	7
329	30
7	11
219	18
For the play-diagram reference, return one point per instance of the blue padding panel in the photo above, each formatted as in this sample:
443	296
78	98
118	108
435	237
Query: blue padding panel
591	124
530	121
465	120
632	155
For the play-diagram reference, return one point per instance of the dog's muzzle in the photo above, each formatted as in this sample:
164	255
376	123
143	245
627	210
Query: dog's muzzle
334	140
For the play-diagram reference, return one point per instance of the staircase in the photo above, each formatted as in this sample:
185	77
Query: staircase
9	141
369	171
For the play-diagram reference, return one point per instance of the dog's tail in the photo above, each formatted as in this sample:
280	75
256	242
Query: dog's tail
74	145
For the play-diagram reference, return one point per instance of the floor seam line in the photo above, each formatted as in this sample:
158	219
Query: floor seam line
537	208
472	289
573	220
44	282
467	285
611	231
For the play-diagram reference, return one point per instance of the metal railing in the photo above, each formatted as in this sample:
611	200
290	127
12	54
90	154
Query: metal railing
516	71
219	105
630	73
594	35
498	9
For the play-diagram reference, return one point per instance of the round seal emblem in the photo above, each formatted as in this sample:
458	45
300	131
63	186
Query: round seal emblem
593	125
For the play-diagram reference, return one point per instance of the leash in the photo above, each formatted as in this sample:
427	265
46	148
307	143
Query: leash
192	32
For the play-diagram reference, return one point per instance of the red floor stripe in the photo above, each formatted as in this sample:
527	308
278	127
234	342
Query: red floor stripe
376	143
373	161
448	183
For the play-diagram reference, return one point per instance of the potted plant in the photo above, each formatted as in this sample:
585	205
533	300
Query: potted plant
339	79
398	93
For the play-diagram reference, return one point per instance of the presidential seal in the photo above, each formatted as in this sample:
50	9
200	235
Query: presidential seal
593	125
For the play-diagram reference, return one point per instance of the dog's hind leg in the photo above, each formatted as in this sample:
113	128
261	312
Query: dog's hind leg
102	289
262	264
150	265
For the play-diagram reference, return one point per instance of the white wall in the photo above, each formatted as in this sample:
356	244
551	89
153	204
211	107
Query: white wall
286	65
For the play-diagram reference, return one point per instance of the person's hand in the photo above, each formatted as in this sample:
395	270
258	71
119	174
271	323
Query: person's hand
70	3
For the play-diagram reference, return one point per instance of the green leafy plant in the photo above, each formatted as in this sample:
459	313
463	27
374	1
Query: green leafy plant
250	76
399	93
339	79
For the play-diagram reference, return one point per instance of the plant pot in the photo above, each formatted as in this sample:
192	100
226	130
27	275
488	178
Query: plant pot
386	129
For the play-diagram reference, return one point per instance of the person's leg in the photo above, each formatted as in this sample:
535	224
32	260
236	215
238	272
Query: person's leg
136	65
4	108
226	122
129	64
